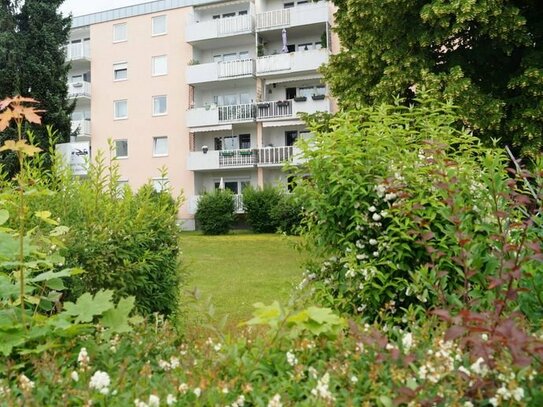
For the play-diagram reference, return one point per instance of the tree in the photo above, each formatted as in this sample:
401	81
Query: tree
32	63
487	56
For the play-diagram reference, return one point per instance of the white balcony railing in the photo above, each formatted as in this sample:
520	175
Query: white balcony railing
274	109
310	13
238	203
79	89
233	69
237	158
300	61
222	27
78	51
215	71
275	155
236	113
83	127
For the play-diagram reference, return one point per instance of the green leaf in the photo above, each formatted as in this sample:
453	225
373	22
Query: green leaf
117	319
49	275
87	307
10	339
4	216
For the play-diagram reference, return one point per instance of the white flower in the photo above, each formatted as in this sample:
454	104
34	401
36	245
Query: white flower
493	401
373	242
240	401
321	390
174	362
376	217
170	400
83	357
407	341
468	404
197	391
154	401
354	379
391	196
479	367
372	208
350	273
26	383
312	372
100	381
183	388
464	370
518	393
275	401
217	347
75	376
139	403
291	358
375	254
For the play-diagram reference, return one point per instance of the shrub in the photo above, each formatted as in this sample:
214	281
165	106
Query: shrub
408	210
215	214
258	205
126	241
287	214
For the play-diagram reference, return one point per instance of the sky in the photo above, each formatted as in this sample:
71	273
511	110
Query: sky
81	7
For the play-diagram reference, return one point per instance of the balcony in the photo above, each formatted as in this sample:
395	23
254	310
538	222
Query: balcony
238	203
217	71
248	158
219	28
78	52
312	13
78	90
83	127
293	62
214	115
289	109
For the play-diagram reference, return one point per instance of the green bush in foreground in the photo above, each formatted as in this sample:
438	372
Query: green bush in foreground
215	213
287	214
365	367
412	214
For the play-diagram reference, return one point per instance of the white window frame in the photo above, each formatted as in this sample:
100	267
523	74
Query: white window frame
119	67
154	100
155	18
115	109
121	157
153	67
115	33
155	140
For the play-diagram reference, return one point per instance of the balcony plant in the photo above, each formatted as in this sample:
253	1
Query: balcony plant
318	97
246	152
282	103
301	98
227	153
263	105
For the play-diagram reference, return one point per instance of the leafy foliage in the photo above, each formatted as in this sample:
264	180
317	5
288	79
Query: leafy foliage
215	213
259	205
485	56
32	63
287	214
412	213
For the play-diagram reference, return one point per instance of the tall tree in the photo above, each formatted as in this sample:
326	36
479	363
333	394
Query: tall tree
32	63
487	56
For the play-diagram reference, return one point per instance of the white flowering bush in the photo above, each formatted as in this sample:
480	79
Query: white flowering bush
406	210
154	366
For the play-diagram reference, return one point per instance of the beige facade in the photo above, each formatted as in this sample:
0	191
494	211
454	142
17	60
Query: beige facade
210	92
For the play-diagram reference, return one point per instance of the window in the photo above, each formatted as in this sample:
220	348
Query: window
120	109
244	99
119	32
160	146
306	91
244	141
160	184
121	148
160	65
159	25
244	55
120	71
231	143
229	57
291	137
160	105
122	185
320	90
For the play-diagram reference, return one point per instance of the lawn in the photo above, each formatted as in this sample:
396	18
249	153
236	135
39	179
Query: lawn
238	270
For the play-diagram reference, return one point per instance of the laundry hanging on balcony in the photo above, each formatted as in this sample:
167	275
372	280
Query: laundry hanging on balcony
284	37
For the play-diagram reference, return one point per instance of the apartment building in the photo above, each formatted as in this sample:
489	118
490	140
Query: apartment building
208	90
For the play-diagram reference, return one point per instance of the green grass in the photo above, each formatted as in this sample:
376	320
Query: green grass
240	269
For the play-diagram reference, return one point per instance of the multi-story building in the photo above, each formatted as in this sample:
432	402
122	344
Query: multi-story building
209	90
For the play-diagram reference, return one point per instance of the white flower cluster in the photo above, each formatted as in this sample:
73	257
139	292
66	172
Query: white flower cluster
321	390
291	359
83	359
172	364
275	401
26	384
407	342
442	362
240	402
100	381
